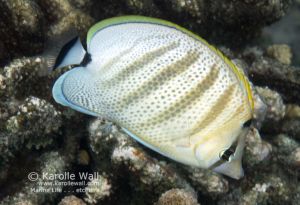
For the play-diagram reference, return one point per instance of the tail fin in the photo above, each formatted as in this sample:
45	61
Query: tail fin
71	54
63	50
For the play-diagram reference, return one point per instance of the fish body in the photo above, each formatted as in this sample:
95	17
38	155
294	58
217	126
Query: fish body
166	87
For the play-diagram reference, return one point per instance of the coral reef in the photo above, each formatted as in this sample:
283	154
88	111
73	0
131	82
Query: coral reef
177	196
241	20
271	190
38	115
282	53
97	189
71	200
25	20
38	137
274	102
256	149
264	71
34	191
208	182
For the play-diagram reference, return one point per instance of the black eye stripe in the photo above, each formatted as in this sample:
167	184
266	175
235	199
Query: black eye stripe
226	155
223	158
247	123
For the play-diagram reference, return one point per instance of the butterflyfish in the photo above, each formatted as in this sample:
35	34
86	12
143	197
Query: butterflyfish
165	87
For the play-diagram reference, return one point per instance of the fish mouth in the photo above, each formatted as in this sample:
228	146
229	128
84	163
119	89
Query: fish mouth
232	169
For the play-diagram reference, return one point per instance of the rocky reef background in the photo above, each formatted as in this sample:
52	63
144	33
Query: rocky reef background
38	136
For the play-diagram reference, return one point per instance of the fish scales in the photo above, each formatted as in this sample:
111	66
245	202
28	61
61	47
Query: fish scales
160	78
165	87
128	87
133	84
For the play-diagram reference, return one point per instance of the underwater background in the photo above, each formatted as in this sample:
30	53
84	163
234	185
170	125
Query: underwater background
50	154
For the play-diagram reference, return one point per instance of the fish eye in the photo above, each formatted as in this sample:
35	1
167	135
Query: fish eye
227	154
247	123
